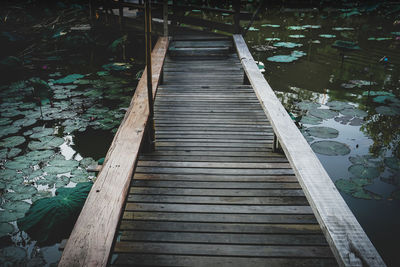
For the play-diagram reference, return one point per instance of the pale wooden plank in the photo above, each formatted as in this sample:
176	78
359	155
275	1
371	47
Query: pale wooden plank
346	237
93	234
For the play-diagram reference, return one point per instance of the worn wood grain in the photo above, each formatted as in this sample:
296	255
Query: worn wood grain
93	234
346	237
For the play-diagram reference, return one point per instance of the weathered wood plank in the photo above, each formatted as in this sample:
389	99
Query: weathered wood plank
173	170
181	260
346	237
91	239
215	178
223	250
223	165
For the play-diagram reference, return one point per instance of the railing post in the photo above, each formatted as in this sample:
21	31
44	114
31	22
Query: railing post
165	17
150	130
121	14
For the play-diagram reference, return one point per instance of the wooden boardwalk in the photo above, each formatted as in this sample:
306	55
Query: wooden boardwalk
213	192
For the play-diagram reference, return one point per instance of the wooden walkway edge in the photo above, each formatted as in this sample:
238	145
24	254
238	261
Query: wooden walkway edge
349	243
91	239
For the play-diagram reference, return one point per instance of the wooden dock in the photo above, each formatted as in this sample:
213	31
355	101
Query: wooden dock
213	192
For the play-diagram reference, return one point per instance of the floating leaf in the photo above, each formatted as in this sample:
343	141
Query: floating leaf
270	25
377	93
366	160
117	66
323	132
323	113
379	38
13	256
46	142
12	141
272	39
9	153
338	105
307	105
310	120
86	162
51	219
282	58
38	156
392	162
355	188
355	112
60	166
6	228
25	122
342	29
327	36
287	44
297	36
41	132
330	148
387	111
69	79
296	28
40	195
79	176
16	206
362	171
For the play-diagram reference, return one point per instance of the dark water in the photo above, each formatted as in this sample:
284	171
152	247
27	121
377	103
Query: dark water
320	76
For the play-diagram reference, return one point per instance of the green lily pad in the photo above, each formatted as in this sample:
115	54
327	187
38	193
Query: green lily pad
117	66
272	39
4	131
323	113
5	121
330	148
342	29
9	216
287	44
40	195
16	206
13	256
47	217
270	25
307	105
62	181
60	166
327	36
282	58
18	164
310	120
25	122
46	142
86	162
38	156
387	110
296	28
362	171
79	176
12	141
392	162
379	38
377	93
383	98
6	228
355	188
252	29
356	121
338	105
296	36
41	132
70	78
323	132
9	154
355	112
298	54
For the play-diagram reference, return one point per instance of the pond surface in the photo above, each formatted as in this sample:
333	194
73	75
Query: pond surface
338	76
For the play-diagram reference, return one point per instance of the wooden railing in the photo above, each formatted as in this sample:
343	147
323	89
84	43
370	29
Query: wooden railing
92	237
348	241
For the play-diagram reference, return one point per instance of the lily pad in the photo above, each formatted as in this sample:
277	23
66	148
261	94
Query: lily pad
296	28
377	93
86	162
379	38
13	256
342	29
46	142
80	176
51	219
307	105
38	156
338	105
6	228
297	36
117	66
40	195
355	188
12	141
282	58
60	166
323	113
330	148
362	171
22	192
16	206
310	120
366	160
41	132
270	25
323	132
392	162
62	181
25	122
69	79
18	164
355	112
272	39
387	110
328	36
9	153
9	216
287	44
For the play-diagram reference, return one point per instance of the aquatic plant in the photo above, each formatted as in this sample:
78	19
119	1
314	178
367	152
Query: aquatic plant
330	148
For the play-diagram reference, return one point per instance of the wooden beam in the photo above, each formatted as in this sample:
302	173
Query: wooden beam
348	241
91	239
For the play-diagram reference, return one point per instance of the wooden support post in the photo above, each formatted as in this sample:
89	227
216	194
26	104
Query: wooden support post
150	132
165	17
92	12
236	16
275	144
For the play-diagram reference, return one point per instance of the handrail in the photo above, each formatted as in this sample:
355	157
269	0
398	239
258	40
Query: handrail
91	239
348	241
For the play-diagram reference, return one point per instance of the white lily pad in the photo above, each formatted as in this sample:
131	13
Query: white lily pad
330	148
46	142
323	132
323	113
12	141
362	171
